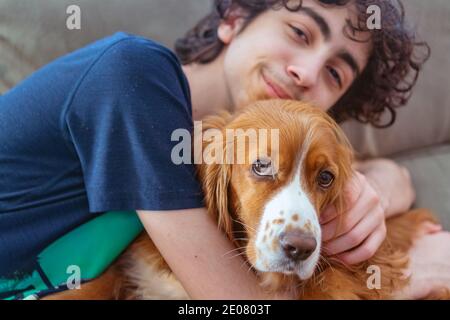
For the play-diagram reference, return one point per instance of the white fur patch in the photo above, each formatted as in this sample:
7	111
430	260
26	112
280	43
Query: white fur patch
152	284
279	212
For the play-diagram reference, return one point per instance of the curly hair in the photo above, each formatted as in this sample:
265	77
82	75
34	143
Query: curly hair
385	84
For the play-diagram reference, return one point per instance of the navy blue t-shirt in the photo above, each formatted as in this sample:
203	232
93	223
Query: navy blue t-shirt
90	133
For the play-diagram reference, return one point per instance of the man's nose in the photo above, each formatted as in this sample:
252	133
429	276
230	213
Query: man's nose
304	76
297	244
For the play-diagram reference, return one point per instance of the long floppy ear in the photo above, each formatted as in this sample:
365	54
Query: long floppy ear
345	157
215	178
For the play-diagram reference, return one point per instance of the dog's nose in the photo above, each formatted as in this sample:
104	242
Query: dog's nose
298	245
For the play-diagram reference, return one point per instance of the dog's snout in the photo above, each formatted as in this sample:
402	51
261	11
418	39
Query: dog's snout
298	245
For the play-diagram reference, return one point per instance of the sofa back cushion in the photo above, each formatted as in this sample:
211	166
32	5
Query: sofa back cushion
32	33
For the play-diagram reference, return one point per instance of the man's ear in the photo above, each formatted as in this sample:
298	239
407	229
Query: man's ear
230	26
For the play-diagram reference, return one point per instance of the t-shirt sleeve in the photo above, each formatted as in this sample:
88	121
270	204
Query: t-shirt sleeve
121	119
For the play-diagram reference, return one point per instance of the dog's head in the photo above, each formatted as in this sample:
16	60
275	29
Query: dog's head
270	203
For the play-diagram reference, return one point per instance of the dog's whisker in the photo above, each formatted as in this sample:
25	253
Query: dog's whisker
321	265
230	252
250	267
241	239
237	255
239	232
245	225
246	261
327	262
233	250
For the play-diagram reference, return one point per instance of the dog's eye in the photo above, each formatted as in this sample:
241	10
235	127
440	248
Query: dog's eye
325	179
263	168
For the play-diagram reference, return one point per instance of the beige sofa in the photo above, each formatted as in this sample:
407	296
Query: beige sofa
33	33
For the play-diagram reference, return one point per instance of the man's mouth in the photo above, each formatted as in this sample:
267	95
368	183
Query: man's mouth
274	90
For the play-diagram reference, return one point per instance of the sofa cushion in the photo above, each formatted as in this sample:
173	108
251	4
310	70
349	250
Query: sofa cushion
430	169
32	33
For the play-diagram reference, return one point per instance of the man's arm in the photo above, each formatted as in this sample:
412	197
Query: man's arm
199	255
392	182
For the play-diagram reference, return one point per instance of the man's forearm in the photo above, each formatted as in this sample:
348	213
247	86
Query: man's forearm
198	253
393	183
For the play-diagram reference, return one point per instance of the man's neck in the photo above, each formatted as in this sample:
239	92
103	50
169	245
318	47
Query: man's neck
208	88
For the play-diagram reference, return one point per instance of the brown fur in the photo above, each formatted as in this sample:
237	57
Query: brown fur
141	272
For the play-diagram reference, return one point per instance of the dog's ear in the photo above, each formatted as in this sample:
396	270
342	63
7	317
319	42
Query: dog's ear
345	159
345	174
215	182
215	177
345	162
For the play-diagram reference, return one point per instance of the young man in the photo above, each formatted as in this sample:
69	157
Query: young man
90	133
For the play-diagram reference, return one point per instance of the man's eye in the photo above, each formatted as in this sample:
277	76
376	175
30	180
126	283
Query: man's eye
302	35
335	75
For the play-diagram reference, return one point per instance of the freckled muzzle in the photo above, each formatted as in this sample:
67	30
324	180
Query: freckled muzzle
289	235
288	247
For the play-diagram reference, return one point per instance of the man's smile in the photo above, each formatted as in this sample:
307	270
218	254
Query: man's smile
274	90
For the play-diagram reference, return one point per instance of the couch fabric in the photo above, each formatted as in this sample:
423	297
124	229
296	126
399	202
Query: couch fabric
32	33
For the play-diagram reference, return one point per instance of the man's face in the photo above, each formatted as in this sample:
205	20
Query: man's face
302	55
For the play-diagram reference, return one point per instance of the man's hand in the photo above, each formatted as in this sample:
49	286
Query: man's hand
429	266
358	233
392	182
379	189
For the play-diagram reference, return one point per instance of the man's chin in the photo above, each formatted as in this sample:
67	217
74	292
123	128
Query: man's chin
257	91
257	95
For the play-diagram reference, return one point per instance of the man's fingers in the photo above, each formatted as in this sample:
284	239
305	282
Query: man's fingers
328	214
428	228
354	188
356	236
350	219
353	191
367	249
